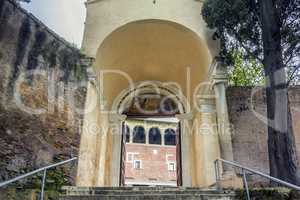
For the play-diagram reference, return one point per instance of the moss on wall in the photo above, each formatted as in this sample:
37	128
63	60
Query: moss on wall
13	193
36	49
4	14
269	194
23	41
29	45
29	141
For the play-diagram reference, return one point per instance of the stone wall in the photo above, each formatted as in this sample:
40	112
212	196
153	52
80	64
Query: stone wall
250	132
29	140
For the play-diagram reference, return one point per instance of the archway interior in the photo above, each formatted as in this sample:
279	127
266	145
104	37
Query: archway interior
151	149
151	50
157	51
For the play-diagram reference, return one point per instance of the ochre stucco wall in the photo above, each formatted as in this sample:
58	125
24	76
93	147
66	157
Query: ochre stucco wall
152	50
104	17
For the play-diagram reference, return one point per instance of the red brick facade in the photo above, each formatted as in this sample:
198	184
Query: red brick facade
150	165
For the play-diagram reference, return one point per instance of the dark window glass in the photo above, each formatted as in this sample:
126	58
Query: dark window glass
154	136
170	137
139	135
169	106
127	133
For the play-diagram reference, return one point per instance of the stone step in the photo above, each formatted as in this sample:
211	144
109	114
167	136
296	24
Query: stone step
151	193
150	197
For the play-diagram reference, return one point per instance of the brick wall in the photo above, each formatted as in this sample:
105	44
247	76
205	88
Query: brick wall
250	133
154	164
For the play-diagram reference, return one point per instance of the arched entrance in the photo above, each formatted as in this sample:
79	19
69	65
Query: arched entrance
145	57
151	136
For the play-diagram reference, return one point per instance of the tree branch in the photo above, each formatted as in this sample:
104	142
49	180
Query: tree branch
246	48
293	74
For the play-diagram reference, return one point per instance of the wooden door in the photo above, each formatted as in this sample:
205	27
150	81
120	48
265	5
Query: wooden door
123	156
178	156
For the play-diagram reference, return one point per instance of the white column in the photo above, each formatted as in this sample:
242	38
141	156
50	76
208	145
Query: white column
162	132
131	134
186	148
206	141
224	128
87	160
116	120
147	129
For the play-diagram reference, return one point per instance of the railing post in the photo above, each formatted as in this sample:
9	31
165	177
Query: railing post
217	173
43	184
246	184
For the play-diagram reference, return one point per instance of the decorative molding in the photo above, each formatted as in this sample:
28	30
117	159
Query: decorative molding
116	118
92	1
219	78
220	75
185	116
127	95
207	104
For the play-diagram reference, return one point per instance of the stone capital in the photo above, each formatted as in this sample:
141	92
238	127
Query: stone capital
206	100
115	117
91	75
185	116
207	105
219	79
220	74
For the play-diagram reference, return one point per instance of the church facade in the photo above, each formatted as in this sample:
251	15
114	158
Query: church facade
157	59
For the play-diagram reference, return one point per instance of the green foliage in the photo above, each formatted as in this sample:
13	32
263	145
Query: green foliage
245	73
266	194
56	179
238	26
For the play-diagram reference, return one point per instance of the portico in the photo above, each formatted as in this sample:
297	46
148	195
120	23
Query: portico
163	50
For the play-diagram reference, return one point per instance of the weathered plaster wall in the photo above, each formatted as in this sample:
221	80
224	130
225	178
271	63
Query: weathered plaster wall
121	12
29	141
250	133
165	41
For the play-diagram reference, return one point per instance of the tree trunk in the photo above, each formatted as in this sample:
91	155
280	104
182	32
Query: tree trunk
281	141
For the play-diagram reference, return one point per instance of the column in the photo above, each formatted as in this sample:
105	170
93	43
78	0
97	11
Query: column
186	149
206	142
162	132
131	134
116	121
87	160
224	128
147	129
102	147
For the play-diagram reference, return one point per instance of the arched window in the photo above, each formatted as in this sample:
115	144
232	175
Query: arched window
170	137
139	135
169	106
127	134
154	136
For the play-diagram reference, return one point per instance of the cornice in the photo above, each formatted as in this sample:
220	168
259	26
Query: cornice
92	1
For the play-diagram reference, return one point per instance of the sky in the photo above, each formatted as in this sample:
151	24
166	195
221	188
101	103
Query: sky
65	17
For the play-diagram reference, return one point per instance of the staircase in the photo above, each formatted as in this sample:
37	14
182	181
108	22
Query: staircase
150	193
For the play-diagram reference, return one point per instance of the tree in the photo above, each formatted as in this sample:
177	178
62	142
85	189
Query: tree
269	32
245	73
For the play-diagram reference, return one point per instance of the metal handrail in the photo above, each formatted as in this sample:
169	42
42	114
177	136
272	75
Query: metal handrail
43	169
244	169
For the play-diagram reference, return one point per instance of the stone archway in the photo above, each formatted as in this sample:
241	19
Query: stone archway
121	104
173	60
